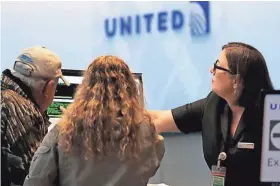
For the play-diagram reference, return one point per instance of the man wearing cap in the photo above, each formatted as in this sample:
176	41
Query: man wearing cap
26	93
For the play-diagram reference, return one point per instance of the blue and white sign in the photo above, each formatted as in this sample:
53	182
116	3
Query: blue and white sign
270	161
172	43
162	21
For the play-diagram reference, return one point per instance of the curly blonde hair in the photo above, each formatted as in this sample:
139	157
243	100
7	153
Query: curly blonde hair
106	112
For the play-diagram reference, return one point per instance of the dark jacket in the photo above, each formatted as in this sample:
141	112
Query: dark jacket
23	127
212	116
51	166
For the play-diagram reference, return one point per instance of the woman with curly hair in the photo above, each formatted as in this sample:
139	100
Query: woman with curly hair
105	137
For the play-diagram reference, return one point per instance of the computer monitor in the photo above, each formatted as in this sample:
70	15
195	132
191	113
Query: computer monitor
64	95
270	153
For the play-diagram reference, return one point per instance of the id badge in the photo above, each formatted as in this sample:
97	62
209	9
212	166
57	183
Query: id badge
218	175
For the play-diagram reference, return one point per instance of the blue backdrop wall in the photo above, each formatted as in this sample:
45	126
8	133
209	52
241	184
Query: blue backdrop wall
172	43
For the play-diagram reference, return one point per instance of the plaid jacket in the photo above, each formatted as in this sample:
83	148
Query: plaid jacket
23	126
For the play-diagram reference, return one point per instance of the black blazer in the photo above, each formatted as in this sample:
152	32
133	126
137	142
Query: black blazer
212	116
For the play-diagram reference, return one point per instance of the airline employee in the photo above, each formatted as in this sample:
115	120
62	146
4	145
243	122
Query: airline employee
229	117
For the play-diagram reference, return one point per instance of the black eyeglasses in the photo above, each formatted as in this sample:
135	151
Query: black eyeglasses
221	68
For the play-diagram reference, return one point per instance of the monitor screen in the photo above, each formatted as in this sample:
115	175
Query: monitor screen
270	155
64	95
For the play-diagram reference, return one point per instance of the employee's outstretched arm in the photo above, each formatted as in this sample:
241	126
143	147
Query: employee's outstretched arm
186	118
163	121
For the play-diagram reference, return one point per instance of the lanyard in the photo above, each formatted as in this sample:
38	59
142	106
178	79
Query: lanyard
225	137
226	141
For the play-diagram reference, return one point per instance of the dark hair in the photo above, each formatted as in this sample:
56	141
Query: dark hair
250	65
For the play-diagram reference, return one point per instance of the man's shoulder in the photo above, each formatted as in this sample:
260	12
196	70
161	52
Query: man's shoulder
18	110
12	102
9	93
20	114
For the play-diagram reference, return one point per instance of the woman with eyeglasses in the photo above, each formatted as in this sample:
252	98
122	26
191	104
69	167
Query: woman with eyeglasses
229	116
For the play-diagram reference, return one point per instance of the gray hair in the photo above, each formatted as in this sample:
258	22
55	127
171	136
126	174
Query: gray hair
34	83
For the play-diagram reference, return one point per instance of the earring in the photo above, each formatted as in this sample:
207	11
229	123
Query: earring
234	89
238	88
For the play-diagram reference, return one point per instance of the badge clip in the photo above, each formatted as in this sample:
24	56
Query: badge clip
219	172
